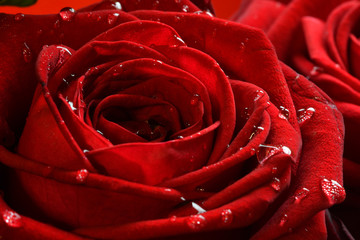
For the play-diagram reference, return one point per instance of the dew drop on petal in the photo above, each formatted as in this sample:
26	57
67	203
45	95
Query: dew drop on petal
227	216
283	113
177	18
12	219
334	192
173	218
286	150
26	52
257	129
196	222
283	220
252	151
303	115
265	152
274	170
275	184
81	175
242	46
208	12
179	39
245	113
316	70
200	189
67	14
112	17
117	5
197	207
300	195
185	8
195	99
259	94
19	16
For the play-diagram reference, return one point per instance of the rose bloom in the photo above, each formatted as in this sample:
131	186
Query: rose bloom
321	40
156	120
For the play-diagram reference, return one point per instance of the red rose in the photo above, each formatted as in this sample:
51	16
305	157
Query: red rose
320	40
160	123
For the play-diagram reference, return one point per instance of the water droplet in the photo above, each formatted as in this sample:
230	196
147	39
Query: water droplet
304	115
245	113
195	99
177	18
91	71
334	192
179	137
179	39
283	220
242	46
300	194
259	94
12	219
252	151
183	199
337	65
167	190
267	151
47	94
112	17
227	216
26	53
81	175
197	207
256	131
274	170
196	222
71	104
100	132
85	151
185	8
316	70
275	184
286	150
19	16
208	12
67	14
200	189
173	218
284	113
117	5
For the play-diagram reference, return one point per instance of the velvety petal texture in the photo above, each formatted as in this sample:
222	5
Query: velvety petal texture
156	120
320	39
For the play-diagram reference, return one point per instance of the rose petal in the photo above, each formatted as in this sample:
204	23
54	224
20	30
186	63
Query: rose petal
153	163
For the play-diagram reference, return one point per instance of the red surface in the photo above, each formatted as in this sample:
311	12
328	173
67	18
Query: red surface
223	8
